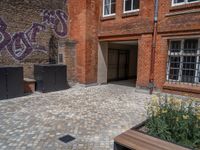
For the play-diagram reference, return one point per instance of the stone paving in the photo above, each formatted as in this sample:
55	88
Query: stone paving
93	115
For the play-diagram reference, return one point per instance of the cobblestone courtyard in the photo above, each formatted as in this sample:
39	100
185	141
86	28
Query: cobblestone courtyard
93	115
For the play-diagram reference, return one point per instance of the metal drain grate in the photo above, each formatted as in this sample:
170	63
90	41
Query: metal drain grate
67	138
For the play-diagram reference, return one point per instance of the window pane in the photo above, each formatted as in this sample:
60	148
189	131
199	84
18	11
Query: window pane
112	8
135	4
175	46
178	1
109	7
128	5
193	0
189	69
198	74
174	67
107	10
107	2
191	46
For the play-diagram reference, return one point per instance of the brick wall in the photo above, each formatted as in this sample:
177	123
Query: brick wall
174	22
84	18
128	24
27	27
88	27
144	60
175	19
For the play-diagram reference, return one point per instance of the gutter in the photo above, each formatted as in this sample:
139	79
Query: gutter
153	49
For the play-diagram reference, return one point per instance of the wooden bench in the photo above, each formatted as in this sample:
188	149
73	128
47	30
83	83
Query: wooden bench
134	140
29	85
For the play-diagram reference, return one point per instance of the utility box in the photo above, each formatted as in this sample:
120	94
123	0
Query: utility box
11	82
50	77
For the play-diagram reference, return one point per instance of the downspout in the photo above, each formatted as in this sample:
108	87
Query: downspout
153	49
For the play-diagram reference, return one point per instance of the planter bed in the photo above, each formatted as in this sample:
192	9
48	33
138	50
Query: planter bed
137	139
173	124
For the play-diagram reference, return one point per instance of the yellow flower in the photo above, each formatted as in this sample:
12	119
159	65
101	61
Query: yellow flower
197	108
170	100
177	102
177	119
185	117
198	116
154	110
155	100
164	111
195	99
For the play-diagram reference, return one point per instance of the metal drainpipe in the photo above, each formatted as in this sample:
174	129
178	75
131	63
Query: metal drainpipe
151	79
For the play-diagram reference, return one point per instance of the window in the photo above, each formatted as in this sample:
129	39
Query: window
131	5
109	7
184	61
180	2
60	58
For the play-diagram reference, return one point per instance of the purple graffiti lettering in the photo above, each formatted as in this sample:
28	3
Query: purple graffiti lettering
65	2
52	17
46	17
62	22
49	17
31	34
19	46
57	20
33	31
22	44
5	37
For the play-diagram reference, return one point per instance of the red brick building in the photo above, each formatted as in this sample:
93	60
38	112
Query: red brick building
124	39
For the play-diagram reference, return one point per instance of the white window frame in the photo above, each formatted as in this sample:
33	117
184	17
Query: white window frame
185	2
197	72
111	14
129	11
197	80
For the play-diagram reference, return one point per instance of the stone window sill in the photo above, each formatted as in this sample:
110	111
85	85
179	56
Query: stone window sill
185	7
183	12
124	15
182	87
107	18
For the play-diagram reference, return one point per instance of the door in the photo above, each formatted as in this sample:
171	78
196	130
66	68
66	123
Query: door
123	65
118	64
112	65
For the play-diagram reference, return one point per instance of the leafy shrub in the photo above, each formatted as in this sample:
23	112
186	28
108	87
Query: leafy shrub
175	120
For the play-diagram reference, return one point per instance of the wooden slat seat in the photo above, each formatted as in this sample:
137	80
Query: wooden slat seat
134	140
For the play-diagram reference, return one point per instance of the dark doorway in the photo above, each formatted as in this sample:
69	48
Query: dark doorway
118	64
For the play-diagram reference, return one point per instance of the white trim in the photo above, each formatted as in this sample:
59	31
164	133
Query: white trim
197	79
129	11
182	3
108	15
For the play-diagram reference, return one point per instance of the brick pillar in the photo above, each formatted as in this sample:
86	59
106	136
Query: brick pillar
144	60
83	27
161	61
67	56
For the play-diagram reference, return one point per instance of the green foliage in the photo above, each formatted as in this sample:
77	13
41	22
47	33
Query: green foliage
175	120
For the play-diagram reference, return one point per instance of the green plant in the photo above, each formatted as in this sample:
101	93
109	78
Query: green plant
175	120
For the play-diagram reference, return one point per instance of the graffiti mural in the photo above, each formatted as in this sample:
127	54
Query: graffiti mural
56	19
22	44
